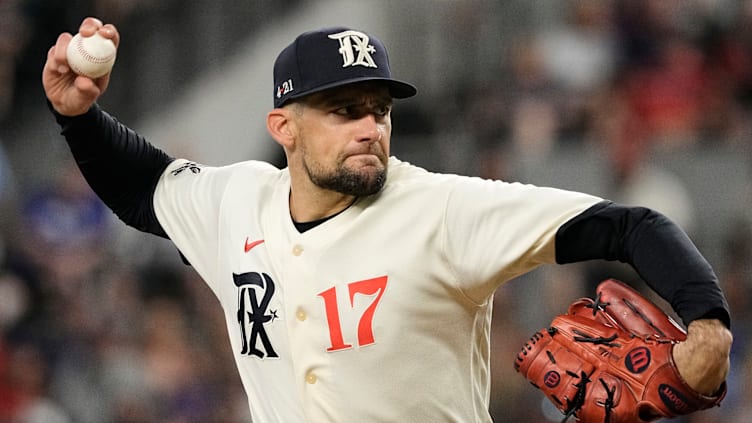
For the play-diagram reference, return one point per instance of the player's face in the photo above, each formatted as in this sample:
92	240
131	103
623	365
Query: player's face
344	136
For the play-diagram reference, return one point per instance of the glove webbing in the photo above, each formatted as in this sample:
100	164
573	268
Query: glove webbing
597	305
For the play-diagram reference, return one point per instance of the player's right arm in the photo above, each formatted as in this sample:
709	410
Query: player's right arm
120	165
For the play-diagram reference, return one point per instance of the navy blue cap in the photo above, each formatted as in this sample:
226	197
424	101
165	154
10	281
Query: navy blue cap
330	57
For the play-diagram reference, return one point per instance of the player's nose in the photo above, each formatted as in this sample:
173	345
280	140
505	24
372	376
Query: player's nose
370	129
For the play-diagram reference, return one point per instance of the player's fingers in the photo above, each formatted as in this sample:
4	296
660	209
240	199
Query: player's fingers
90	23
57	59
89	26
87	88
50	59
102	82
51	64
111	32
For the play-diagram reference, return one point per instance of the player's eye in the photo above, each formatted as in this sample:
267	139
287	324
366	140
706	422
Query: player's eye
382	109
345	110
352	111
358	111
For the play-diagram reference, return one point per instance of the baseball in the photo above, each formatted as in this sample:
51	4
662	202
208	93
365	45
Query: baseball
91	56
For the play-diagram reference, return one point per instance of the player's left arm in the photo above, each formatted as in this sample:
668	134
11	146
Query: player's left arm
667	260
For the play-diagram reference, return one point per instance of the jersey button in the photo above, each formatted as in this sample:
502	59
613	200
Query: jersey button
301	315
297	250
311	378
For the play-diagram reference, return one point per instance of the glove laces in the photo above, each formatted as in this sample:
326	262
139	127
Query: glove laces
579	397
578	401
598	340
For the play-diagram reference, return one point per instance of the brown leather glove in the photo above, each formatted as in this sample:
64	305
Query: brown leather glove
609	360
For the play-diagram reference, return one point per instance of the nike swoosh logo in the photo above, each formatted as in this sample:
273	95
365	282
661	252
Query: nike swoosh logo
249	245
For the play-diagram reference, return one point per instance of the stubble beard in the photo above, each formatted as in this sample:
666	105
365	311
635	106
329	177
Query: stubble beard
345	180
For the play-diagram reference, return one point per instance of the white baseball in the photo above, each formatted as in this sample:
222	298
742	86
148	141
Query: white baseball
91	56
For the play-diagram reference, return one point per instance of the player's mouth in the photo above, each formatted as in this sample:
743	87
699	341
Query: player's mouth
366	159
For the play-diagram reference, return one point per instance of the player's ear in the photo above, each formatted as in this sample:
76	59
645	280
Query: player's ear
281	126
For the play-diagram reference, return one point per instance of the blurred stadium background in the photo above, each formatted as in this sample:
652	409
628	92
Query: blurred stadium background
640	101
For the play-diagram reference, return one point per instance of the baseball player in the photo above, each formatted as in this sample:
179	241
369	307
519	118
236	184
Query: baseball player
357	287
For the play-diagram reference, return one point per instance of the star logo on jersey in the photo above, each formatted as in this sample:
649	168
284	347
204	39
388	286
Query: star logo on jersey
249	245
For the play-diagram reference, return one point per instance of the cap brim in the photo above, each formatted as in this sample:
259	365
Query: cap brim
397	88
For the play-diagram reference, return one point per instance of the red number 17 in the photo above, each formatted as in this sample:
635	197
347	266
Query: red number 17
375	286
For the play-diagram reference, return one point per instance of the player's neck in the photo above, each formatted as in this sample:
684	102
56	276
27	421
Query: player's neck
314	204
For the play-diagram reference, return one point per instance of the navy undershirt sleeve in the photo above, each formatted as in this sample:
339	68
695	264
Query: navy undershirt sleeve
120	165
658	249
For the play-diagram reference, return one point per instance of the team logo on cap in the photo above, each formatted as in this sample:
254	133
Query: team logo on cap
354	48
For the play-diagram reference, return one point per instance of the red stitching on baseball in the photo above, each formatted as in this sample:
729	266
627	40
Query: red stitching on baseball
88	57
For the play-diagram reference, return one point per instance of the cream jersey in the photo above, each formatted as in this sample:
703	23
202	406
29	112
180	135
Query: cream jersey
380	314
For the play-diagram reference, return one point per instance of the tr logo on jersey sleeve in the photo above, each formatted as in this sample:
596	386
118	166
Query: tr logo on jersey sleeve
193	167
253	314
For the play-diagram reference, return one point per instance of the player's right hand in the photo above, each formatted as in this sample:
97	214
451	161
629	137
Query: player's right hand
703	359
69	93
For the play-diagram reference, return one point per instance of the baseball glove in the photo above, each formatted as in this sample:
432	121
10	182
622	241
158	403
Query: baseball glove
609	360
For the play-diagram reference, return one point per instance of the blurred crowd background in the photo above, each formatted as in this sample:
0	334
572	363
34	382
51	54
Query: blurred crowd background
640	101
